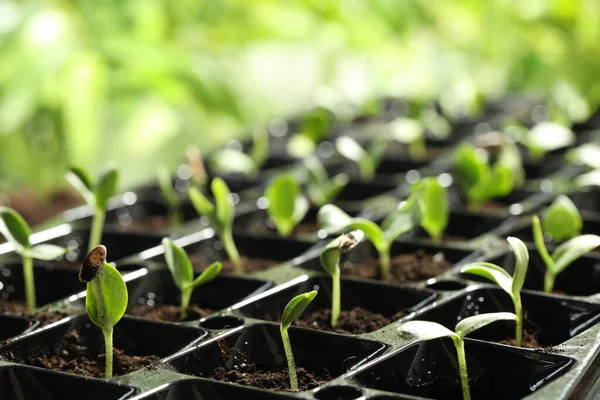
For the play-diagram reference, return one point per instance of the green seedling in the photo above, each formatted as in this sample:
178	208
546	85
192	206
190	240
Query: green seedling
368	159
426	330
510	284
481	181
220	216
16	231
182	272
562	219
291	312
232	161
412	131
330	261
589	155
564	255
96	195
287	205
170	195
542	138
319	188
316	125
426	206
106	298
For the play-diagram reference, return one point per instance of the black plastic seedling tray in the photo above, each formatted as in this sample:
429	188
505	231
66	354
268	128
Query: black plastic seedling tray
240	324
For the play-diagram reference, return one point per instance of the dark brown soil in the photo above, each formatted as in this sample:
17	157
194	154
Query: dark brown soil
153	224
36	209
405	268
164	312
246	373
530	335
356	321
20	308
250	265
74	358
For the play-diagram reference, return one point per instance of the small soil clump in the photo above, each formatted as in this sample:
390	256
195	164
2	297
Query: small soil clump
356	321
404	268
169	313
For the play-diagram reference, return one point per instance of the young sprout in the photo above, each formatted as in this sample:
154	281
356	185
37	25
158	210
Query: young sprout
182	272
564	255
330	261
315	126
170	196
479	180
231	161
367	159
196	164
412	131
562	219
220	216
106	298
510	284
426	330
542	138
15	230
287	205
96	195
426	206
319	188
294	308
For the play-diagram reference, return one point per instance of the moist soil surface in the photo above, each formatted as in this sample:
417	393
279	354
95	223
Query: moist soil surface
155	224
20	308
530	336
75	358
247	373
356	321
404	268
249	265
169	313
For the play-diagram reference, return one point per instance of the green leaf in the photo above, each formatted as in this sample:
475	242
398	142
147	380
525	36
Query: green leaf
502	181
332	218
562	219
178	263
203	206
395	224
469	166
353	151
295	307
224	209
114	298
207	275
521	264
165	182
471	324
232	161
331	254
538	238
591	178
282	194
14	228
82	182
424	330
587	154
107	187
572	249
335	187
47	252
433	207
406	130
549	136
492	272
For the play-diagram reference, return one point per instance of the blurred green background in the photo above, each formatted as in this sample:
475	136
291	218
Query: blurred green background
133	82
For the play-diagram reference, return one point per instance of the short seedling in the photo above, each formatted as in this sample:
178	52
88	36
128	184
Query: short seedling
564	255
368	160
412	131
220	216
15	230
315	126
287	206
170	195
426	330
234	161
562	219
292	311
542	138
106	298
426	206
510	284
330	261
319	188
96	196
182	272
480	181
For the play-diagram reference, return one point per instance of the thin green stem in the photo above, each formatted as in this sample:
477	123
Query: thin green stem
417	149
384	263
97	226
29	283
287	346
519	314
538	237
548	281
462	366
335	297
186	294
232	251
108	352
175	217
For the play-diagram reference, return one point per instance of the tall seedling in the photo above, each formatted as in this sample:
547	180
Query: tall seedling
96	195
14	228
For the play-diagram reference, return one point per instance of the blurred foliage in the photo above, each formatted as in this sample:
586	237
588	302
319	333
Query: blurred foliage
133	82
